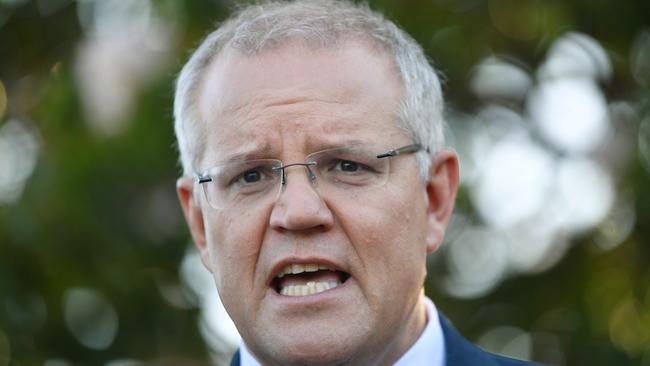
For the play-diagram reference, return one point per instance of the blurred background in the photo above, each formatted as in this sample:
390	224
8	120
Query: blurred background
547	257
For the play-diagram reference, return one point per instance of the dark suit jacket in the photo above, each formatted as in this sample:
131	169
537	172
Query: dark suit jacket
460	352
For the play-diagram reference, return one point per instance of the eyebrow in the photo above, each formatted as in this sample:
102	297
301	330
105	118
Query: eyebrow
267	150
251	155
336	145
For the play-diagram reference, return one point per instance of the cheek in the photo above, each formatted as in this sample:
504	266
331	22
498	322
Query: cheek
388	232
234	240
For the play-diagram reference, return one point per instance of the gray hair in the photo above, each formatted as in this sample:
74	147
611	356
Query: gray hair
318	23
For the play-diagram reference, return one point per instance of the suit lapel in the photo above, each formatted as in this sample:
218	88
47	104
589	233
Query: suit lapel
459	351
235	359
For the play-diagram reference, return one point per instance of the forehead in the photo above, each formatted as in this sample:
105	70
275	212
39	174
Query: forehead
293	92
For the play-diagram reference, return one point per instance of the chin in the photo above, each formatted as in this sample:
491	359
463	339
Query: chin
312	350
320	357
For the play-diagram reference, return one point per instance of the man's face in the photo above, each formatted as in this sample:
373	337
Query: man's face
286	103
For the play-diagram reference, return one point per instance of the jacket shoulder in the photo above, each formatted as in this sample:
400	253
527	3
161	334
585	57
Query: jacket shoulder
461	352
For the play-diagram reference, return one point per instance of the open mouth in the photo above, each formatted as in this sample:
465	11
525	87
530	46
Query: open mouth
307	279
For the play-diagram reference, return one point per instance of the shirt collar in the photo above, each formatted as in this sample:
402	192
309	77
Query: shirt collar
247	358
428	350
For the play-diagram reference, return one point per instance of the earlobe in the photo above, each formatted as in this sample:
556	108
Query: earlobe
441	195
194	217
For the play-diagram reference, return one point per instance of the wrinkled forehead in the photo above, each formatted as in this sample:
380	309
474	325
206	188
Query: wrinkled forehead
235	78
332	91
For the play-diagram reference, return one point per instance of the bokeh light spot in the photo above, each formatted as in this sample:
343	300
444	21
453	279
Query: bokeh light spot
629	329
534	246
216	326
515	180
640	58
497	78
586	194
127	44
570	113
507	341
618	225
477	262
19	148
90	317
576	55
115	18
470	139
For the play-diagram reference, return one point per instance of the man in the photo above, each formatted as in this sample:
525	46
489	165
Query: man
315	185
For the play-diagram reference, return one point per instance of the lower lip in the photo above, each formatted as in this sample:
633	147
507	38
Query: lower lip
327	295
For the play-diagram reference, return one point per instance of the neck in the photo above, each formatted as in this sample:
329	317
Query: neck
409	332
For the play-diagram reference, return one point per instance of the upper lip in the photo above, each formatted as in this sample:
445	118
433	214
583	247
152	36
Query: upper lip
279	266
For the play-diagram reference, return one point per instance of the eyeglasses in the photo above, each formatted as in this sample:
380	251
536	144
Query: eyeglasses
337	171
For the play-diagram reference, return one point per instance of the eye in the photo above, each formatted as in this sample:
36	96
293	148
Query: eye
251	176
245	176
348	166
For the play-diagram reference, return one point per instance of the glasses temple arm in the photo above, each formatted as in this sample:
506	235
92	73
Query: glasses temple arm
402	150
202	179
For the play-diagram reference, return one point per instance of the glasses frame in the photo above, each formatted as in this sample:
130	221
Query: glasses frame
404	150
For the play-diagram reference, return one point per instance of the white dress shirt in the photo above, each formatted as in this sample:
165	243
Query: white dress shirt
428	350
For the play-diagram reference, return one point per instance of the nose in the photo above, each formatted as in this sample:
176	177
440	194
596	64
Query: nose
299	206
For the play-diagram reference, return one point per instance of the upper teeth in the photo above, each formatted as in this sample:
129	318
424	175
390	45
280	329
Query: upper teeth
300	268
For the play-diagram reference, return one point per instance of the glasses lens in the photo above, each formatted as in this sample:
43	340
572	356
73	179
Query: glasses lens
351	168
242	183
246	184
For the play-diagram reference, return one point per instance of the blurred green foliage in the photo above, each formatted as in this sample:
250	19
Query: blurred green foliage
99	210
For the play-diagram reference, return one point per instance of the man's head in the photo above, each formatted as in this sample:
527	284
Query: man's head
316	24
276	84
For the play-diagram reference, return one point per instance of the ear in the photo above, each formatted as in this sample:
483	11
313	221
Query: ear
441	188
194	217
